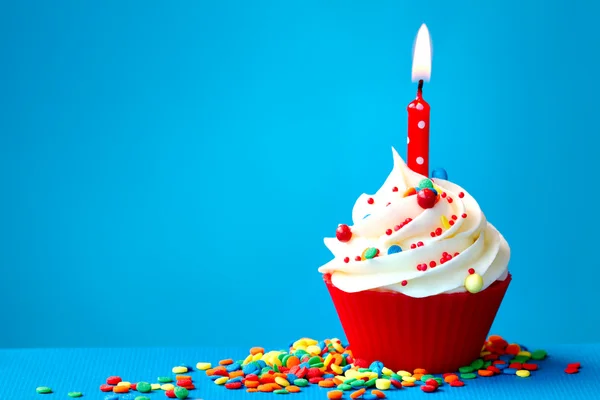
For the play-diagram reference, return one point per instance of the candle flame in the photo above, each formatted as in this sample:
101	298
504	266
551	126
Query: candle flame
421	68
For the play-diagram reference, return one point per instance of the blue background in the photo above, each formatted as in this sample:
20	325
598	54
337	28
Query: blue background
169	169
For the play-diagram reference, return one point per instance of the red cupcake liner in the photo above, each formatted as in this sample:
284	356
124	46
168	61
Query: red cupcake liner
438	333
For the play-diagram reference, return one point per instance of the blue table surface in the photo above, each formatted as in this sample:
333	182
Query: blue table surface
84	370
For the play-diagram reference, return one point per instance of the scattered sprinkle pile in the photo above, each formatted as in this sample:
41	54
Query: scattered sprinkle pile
328	364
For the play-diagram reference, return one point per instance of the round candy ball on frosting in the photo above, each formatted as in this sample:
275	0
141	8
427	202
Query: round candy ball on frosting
474	283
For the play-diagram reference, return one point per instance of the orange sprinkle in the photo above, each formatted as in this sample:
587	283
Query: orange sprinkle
121	389
450	378
378	393
251	390
335	394
421	371
337	381
293	389
182	377
235	374
327	383
251	384
494	338
358	393
265	388
292	361
408	384
257	350
210	372
337	359
227	361
485	372
418	376
279	375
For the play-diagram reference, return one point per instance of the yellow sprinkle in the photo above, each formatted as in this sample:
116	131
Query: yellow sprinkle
524	353
203	366
221	380
247	360
180	370
382	384
387	371
127	384
372	375
257	356
167	386
337	369
313	350
523	373
328	360
409	379
282	381
338	347
474	283
351	373
403	373
445	222
155	386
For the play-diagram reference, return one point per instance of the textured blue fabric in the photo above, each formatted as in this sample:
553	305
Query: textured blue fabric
65	370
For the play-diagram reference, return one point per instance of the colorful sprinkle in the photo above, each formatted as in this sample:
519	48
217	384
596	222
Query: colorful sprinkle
439	173
43	390
474	283
426	198
343	233
393	249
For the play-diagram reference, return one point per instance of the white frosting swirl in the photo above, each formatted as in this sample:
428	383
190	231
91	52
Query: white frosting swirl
478	244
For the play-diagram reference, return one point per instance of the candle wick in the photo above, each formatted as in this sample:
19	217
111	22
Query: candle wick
420	88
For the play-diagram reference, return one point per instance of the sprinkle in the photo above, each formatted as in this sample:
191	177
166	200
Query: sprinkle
74	394
343	233
438	231
449	199
464	215
357	258
404	283
426	183
346	260
432	264
143	387
474	283
43	390
445	223
471	271
181	370
461	195
393	249
335	394
454	217
523	373
113	380
370	200
371	252
388	232
394	189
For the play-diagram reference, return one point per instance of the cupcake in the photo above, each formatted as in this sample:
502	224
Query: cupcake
418	278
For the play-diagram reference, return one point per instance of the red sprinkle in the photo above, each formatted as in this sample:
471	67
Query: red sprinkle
432	382
170	394
360	363
574	365
461	195
438	231
357	258
106	388
370	201
464	215
432	234
571	370
428	388
432	264
343	233
404	283
471	271
530	366
113	380
388	232
413	246
444	195
451	222
394	189
397	227
133	386
316	379
420	244
184	382
454	217
457	383
449	199
233	385
346	260
495	370
516	365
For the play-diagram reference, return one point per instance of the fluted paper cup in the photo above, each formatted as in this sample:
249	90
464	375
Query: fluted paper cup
438	333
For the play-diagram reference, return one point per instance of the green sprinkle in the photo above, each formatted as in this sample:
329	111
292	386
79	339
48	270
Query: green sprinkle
281	391
165	379
358	384
425	377
396	377
468	375
349	380
142	398
466	370
74	394
143	387
439	381
318	365
539	354
181	392
371	382
426	183
282	355
370	253
477	364
314	360
300	382
364	370
275	368
521	359
284	359
344	386
43	390
487	364
265	370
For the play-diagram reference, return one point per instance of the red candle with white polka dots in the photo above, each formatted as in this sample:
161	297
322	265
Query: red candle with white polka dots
418	109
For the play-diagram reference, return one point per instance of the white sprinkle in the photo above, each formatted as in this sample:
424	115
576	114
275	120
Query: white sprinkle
420	106
420	160
407	140
421	124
